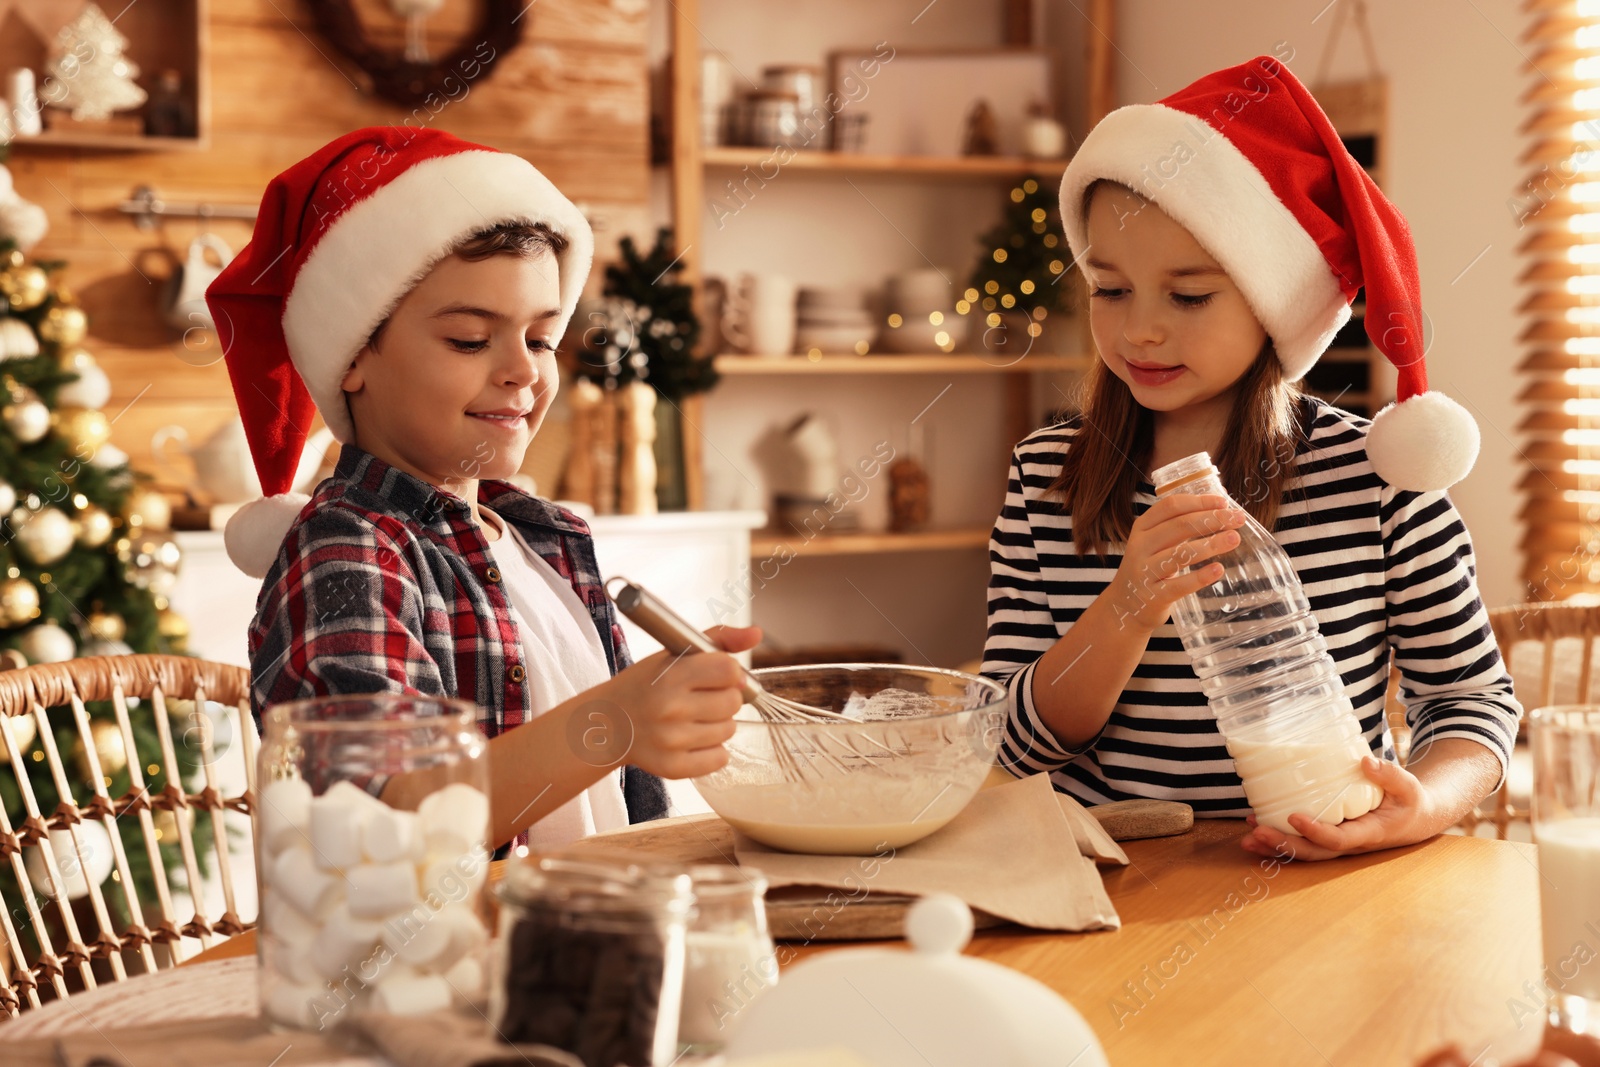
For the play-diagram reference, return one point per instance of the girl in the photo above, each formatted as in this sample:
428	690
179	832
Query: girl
1223	233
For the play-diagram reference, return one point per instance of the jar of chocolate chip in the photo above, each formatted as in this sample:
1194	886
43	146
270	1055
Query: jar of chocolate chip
590	960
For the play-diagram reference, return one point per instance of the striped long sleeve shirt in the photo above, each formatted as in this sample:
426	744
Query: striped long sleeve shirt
1384	570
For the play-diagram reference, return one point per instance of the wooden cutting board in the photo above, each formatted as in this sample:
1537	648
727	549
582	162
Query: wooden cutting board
812	913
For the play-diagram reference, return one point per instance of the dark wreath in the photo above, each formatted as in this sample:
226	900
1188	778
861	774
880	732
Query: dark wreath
396	78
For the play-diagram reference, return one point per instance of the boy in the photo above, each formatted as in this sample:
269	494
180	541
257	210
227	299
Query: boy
411	288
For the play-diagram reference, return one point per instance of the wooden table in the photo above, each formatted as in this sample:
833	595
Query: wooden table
1225	958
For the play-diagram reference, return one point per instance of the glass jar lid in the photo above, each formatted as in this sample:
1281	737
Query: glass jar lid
596	888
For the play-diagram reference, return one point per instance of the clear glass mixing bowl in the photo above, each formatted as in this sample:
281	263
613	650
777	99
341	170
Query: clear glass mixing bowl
924	740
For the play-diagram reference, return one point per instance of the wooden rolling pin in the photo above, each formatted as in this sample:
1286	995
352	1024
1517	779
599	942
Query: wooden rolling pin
1126	820
1131	820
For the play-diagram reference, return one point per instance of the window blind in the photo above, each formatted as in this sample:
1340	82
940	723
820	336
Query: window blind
1558	214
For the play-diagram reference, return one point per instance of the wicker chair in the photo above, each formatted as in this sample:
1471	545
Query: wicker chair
151	936
1549	650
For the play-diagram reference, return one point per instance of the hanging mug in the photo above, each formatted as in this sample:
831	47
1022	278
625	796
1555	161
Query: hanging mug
758	315
186	288
223	468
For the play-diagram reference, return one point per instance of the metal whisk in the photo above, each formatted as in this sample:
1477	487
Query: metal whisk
678	636
794	756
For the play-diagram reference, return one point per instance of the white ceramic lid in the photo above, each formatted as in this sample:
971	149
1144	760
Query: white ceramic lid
930	1007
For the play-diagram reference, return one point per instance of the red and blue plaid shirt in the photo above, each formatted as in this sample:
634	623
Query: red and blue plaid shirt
386	585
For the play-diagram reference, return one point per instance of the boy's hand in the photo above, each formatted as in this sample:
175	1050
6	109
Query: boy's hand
676	711
1407	815
1172	534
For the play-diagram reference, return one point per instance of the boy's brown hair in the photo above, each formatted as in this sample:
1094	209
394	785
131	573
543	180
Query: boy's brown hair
501	239
511	238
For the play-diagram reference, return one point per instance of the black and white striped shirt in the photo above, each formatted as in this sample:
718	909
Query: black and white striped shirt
1383	569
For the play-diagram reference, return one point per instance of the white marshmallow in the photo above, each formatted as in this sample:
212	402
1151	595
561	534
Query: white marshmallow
411	996
454	819
291	961
454	878
417	938
337	820
297	877
379	890
285	921
281	814
293	1004
466	980
331	900
344	942
347	792
391	835
467	934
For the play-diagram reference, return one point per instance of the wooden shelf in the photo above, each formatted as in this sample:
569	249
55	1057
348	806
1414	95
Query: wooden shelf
130	142
908	166
741	366
169	35
764	543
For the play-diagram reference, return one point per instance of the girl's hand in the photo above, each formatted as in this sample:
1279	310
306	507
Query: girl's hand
1174	533
1407	815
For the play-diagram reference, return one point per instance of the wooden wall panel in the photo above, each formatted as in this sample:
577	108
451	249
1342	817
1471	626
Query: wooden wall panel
573	98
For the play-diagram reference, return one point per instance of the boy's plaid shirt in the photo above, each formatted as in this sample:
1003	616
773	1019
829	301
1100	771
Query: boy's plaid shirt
385	585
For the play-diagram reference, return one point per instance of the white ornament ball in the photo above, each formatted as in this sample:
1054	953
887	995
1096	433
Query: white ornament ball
22	729
78	868
17	339
8	498
46	643
7	187
92	389
109	457
27	419
47	536
24	222
101	647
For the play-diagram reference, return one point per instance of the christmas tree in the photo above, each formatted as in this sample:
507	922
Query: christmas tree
88	73
645	327
86	559
1019	271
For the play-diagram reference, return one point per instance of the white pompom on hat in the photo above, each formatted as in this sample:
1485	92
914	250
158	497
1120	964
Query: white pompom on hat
1247	162
340	238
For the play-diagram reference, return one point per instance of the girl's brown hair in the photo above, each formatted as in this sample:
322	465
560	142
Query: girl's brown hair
1110	453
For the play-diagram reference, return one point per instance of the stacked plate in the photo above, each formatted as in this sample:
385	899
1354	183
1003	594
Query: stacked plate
833	321
921	314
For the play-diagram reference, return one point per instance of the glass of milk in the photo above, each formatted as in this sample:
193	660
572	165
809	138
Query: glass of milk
1566	825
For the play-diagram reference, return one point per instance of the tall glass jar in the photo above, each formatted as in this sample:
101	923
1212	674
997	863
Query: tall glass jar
590	960
729	957
371	827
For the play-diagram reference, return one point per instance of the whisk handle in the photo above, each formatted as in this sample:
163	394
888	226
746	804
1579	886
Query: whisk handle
675	633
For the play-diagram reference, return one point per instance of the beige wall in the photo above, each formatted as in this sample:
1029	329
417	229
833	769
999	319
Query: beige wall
1455	78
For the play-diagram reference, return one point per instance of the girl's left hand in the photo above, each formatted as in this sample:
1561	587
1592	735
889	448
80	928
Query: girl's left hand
1407	815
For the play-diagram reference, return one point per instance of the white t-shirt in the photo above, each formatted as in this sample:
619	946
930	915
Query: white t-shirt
565	658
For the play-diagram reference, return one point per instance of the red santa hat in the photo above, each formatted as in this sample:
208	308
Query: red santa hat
1248	163
340	238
